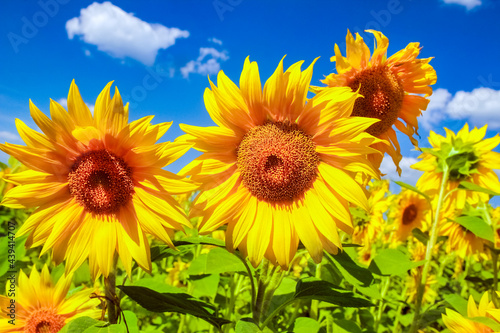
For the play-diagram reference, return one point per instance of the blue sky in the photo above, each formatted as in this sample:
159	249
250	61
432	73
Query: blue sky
159	54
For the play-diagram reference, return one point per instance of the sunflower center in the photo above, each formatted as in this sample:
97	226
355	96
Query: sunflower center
278	162
409	214
101	182
383	97
44	320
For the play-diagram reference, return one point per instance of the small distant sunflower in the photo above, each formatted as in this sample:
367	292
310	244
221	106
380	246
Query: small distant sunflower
370	226
469	158
410	212
413	282
277	169
392	88
456	323
42	307
98	183
177	275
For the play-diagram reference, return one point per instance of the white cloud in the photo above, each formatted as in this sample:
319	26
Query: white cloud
64	102
87	53
469	4
479	107
215	40
9	136
205	66
121	34
435	110
408	175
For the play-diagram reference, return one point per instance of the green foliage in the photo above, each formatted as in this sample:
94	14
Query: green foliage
174	302
392	262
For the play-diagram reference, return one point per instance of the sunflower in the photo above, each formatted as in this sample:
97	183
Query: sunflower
410	212
391	87
98	183
41	306
468	157
370	226
461	241
277	169
413	281
456	323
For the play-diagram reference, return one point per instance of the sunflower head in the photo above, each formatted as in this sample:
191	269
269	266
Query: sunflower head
392	88
43	307
98	182
279	168
410	212
457	323
466	157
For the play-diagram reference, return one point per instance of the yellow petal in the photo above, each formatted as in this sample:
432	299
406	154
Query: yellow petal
344	185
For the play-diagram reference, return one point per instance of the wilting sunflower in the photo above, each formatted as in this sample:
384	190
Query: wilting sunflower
468	156
391	87
409	212
456	323
277	169
98	183
42	307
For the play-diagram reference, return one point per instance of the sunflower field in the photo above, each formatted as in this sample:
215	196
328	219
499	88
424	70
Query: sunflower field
283	223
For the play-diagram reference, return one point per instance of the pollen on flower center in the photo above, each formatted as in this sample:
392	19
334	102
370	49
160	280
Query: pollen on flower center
101	182
278	162
383	97
410	214
44	320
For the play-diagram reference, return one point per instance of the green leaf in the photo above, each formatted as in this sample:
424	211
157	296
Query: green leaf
215	262
477	226
158	286
352	272
162	251
205	285
246	325
3	166
412	188
79	325
106	328
305	325
420	235
204	240
457	302
346	326
488	322
131	319
312	288
477	188
174	302
392	262
285	293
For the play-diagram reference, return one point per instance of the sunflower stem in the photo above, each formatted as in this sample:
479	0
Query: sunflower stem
430	247
494	286
269	281
110	292
381	305
314	313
